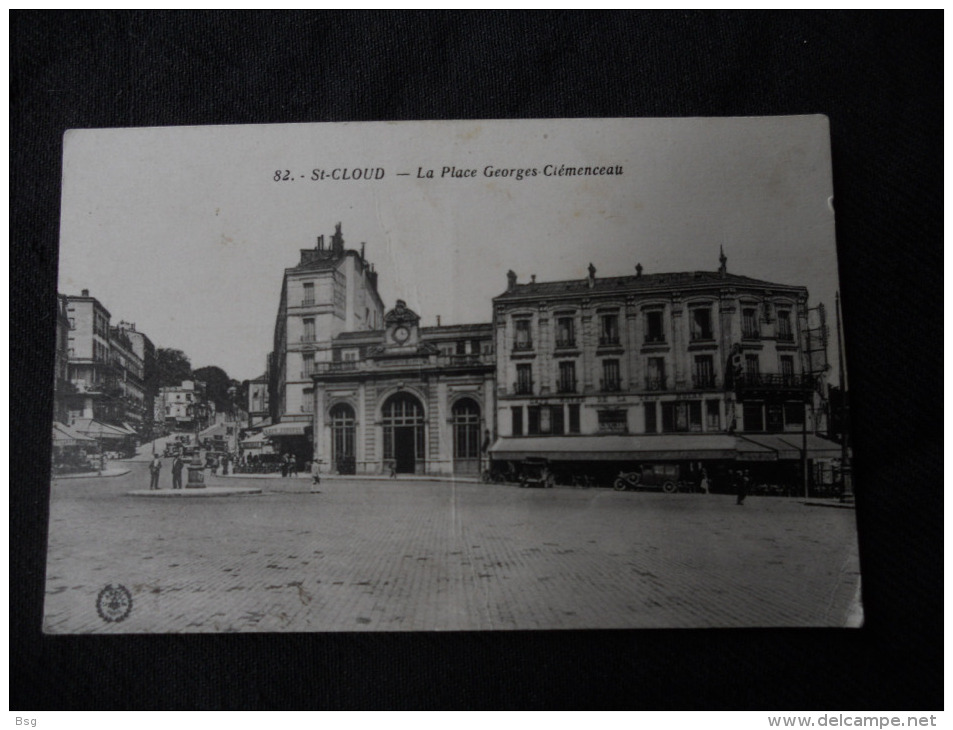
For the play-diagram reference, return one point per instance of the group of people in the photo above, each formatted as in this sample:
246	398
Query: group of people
155	468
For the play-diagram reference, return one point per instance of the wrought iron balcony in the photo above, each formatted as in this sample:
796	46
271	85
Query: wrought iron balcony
750	335
566	385
656	384
463	360
608	340
655	339
610	385
775	381
523	387
566	342
523	345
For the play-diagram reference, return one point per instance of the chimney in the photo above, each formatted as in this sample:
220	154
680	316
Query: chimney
85	292
337	240
510	280
638	270
592	275
320	244
363	244
532	278
438	320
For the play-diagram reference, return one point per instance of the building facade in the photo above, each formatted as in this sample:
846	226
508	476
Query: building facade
90	362
332	290
184	406
692	367
62	387
145	351
405	399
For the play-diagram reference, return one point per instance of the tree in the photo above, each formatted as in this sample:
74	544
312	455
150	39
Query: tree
172	367
217	384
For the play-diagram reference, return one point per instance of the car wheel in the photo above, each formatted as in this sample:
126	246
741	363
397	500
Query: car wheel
670	487
619	485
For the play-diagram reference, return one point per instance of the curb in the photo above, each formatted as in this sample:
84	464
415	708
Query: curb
203	493
93	474
358	478
835	505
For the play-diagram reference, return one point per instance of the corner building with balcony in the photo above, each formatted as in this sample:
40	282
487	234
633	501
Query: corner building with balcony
700	368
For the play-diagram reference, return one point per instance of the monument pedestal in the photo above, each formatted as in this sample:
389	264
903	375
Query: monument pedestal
196	472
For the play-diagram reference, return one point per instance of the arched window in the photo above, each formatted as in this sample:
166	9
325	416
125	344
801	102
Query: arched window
466	429
403	421
342	441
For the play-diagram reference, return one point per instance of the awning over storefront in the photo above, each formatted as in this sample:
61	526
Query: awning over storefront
667	447
98	429
786	446
217	429
63	435
292	428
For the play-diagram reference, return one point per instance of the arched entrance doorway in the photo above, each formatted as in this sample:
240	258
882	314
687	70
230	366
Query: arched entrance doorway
403	418
342	439
466	436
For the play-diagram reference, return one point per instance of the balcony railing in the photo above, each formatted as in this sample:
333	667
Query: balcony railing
610	385
702	336
307	302
750	335
608	340
565	342
308	338
785	337
655	339
460	360
308	373
523	387
565	385
656	384
704	382
774	380
523	345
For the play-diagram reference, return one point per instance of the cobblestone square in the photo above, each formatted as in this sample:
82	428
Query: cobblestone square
406	555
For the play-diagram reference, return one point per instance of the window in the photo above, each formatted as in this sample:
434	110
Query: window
308	299
785	332
609	329
610	375
524	336
681	416
565	332
558	418
567	378
532	420
655	374
794	415
701	324
72	323
712	415
466	429
749	324
653	327
462	347
694	415
651	418
613	421
752	368
787	365
524	379
308	360
517	413
704	374
775	417
753	414
308	329
342	439
307	400
573	418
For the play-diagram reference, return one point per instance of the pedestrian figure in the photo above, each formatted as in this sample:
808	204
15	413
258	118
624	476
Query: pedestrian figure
315	473
225	465
284	465
292	466
215	465
393	469
741	487
154	468
177	465
703	483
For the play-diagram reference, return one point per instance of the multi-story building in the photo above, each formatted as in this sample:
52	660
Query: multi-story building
89	352
185	407
693	367
62	387
330	291
258	410
145	351
415	400
126	383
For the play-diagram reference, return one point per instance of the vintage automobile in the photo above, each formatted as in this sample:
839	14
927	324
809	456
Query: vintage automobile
536	472
666	477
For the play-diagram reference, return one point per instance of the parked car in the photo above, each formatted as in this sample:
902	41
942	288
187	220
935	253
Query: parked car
667	477
535	472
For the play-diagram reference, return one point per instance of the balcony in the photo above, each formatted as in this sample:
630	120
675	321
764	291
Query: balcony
750	335
305	374
308	338
565	343
656	384
775	381
523	346
523	387
460	361
565	385
609	340
610	385
307	302
704	382
656	339
785	337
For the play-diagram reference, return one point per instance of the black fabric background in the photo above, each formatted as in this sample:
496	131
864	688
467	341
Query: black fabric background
879	79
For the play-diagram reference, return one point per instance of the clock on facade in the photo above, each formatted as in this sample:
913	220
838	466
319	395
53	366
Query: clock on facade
401	334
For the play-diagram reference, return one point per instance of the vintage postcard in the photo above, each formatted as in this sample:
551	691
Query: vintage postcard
450	376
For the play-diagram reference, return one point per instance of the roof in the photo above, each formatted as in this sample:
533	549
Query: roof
645	282
63	435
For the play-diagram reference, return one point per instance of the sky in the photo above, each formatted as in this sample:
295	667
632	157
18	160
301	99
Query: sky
186	231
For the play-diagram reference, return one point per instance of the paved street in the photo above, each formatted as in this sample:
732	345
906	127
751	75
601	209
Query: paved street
416	556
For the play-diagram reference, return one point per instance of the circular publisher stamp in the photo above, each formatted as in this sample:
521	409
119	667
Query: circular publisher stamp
114	603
